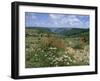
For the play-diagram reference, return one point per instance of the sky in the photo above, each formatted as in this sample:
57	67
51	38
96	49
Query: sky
55	20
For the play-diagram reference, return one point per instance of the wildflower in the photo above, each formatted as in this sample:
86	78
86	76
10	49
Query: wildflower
68	63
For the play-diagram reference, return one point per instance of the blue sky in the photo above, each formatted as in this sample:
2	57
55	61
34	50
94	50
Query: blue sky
56	20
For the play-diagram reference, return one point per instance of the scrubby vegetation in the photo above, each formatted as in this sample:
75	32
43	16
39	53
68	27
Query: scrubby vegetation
45	47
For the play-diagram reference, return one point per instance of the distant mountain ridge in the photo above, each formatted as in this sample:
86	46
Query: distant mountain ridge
61	31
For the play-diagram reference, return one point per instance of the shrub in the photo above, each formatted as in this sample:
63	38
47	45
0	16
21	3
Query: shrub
52	42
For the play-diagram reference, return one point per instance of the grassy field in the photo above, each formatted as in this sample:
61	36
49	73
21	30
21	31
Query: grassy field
47	48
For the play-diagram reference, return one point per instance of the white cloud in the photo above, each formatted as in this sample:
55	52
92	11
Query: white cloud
87	23
56	16
66	20
33	17
73	21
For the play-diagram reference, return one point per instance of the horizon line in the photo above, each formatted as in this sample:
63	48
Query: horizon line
53	27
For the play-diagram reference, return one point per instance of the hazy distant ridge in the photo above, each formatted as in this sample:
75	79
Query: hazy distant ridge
61	31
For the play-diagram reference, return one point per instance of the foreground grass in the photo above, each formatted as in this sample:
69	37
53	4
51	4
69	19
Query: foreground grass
53	51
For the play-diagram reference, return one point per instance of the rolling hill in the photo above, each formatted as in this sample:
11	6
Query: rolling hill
62	31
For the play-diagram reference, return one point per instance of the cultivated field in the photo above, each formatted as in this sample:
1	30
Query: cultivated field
46	47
